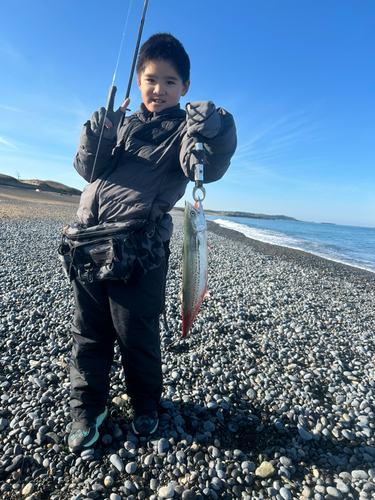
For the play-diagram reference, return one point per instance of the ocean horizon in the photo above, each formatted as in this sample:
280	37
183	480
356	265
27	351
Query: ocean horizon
350	245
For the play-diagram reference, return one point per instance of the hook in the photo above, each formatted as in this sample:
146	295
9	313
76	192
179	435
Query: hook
197	197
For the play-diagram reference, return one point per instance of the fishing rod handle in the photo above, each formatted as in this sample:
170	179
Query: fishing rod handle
111	97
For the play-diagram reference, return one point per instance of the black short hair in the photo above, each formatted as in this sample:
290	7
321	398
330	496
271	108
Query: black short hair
164	47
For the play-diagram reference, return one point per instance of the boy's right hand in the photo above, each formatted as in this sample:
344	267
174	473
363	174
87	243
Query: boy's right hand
111	120
202	119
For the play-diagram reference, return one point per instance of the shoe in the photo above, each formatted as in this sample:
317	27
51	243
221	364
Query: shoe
84	434
145	423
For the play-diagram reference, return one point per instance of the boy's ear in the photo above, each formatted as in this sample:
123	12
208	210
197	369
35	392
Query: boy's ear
138	82
185	88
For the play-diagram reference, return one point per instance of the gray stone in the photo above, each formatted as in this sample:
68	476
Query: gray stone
209	426
370	450
333	493
154	484
250	466
131	467
359	474
28	489
348	434
166	492
286	461
16	462
305	435
341	486
189	495
163	445
216	484
114	496
117	462
285	493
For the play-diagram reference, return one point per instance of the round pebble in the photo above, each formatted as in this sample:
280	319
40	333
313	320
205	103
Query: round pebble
166	492
131	467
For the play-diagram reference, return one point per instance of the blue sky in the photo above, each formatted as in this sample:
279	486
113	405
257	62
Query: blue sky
298	76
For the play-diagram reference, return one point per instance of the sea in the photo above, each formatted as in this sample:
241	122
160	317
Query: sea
352	245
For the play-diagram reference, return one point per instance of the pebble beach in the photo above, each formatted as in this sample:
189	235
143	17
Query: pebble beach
271	397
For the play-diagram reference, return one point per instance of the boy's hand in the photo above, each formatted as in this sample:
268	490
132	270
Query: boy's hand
112	119
202	118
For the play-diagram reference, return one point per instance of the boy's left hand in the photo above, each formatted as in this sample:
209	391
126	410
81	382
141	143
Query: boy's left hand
113	117
202	118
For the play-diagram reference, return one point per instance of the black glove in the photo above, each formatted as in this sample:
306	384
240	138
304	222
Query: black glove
112	118
202	118
96	123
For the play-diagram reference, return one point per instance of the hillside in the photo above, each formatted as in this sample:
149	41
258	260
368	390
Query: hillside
48	186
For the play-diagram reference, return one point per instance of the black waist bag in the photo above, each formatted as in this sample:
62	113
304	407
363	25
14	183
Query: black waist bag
123	251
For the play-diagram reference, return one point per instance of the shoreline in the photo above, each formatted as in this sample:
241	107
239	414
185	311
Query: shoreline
16	202
291	254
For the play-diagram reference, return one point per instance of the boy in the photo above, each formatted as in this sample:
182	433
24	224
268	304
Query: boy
142	169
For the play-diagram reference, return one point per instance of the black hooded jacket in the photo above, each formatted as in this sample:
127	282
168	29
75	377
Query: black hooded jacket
143	172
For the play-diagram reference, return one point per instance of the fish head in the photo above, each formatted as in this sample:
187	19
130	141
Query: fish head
194	216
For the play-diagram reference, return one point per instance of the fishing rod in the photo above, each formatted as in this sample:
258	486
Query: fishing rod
113	89
136	48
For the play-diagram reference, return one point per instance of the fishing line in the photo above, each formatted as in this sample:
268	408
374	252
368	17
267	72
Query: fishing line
122	42
112	84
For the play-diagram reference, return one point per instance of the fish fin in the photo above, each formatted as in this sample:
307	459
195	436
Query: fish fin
207	295
209	246
179	296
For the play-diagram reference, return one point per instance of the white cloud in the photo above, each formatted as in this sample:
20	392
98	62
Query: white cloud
10	108
3	141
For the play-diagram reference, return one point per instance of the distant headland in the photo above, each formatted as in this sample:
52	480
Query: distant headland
57	187
248	215
48	186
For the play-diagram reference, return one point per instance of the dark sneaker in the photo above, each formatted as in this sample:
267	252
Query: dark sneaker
145	423
85	434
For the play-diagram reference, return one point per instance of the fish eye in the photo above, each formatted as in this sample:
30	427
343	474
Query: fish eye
192	213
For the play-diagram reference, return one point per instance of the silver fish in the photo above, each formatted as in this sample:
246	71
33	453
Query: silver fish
195	264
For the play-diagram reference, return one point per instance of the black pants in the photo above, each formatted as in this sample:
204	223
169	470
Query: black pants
107	311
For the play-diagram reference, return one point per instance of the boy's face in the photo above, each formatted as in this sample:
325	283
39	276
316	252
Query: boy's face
161	86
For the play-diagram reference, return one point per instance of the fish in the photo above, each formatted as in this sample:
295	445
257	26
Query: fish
195	264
